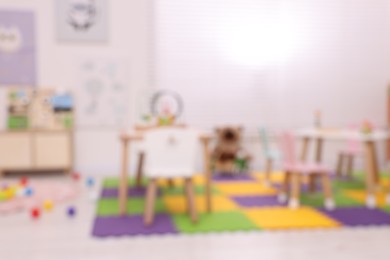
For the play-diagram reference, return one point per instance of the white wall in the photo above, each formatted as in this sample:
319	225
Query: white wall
97	150
273	63
359	89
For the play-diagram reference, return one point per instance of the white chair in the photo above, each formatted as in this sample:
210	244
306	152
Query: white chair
171	153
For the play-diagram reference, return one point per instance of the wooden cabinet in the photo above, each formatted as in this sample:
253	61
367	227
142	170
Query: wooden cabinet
36	150
15	150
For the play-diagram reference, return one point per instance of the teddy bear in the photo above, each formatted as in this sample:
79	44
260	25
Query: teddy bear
228	156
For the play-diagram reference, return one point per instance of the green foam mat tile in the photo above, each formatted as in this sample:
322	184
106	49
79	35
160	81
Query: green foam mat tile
110	207
354	184
317	200
113	182
216	221
179	190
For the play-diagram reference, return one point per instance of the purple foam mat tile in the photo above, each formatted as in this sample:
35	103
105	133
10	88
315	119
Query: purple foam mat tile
132	225
304	187
358	216
257	201
226	177
131	192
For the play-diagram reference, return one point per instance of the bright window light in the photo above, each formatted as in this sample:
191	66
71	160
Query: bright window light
256	41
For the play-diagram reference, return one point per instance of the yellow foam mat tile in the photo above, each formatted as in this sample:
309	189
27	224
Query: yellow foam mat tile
285	218
178	204
276	177
198	180
385	183
361	196
244	188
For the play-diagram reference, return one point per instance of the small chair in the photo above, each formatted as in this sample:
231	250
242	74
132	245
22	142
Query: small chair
348	153
270	155
171	153
294	171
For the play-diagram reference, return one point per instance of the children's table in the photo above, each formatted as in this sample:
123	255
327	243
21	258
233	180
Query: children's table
369	141
128	139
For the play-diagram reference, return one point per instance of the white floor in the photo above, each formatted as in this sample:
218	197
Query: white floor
55	236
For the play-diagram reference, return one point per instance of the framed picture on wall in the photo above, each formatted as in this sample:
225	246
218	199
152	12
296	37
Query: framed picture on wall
17	48
82	20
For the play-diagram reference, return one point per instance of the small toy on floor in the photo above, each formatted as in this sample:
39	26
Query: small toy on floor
35	213
9	192
23	181
228	156
48	205
71	211
76	176
90	182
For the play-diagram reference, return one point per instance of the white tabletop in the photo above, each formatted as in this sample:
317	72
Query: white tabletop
343	134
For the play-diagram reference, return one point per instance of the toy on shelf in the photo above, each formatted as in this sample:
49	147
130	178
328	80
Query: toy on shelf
367	127
228	156
317	119
39	109
165	107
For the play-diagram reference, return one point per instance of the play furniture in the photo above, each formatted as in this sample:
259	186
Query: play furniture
39	135
127	139
270	155
36	150
347	154
171	153
295	171
141	154
368	140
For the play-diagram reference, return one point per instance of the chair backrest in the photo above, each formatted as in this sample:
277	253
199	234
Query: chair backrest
264	140
288	147
171	151
352	144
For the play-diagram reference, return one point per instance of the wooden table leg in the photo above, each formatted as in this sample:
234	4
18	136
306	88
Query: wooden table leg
340	164
123	185
268	171
327	188
350	166
371	172
295	190
312	183
305	146
140	169
150	201
208	173
189	188
284	190
319	144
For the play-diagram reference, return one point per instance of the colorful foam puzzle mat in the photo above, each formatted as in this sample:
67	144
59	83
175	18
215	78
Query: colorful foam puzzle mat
240	203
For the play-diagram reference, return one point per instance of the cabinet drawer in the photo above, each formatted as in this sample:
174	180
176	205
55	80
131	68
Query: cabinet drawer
53	150
15	151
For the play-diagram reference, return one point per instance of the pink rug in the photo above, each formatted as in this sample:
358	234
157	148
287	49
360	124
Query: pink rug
57	192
